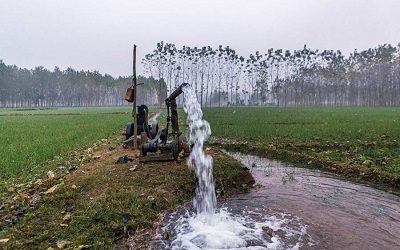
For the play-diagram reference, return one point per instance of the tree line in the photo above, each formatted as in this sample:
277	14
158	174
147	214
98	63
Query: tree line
303	77
40	87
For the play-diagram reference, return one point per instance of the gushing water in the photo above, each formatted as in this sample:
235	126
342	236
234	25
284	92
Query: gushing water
154	118
210	228
199	132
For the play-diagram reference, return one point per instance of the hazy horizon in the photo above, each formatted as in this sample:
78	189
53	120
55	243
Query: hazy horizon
92	35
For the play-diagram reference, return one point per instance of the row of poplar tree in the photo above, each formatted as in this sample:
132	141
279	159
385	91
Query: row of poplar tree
41	87
221	77
303	77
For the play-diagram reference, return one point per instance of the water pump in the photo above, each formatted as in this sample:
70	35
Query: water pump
142	124
160	141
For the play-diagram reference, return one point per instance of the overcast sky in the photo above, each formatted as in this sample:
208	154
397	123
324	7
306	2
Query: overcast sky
99	34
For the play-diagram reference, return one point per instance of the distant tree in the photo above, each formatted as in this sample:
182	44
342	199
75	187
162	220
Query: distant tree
301	77
41	87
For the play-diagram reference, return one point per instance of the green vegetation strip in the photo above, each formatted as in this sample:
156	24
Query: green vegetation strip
36	136
362	143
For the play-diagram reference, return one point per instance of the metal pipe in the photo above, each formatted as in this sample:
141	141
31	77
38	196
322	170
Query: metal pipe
176	93
170	102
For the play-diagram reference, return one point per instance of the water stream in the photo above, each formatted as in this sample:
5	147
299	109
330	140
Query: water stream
289	207
199	131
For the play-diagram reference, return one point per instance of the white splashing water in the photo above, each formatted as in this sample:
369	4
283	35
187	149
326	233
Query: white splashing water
211	229
154	118
199	131
246	230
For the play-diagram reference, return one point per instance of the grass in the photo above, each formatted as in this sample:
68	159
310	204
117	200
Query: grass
30	137
113	203
361	142
305	124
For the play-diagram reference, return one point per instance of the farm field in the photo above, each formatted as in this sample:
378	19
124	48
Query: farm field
352	140
364	140
30	137
289	139
105	202
368	137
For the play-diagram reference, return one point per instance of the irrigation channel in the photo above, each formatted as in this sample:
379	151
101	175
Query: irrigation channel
289	207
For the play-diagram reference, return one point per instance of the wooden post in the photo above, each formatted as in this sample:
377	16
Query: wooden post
134	101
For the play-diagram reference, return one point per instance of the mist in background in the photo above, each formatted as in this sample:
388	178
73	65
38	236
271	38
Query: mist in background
98	35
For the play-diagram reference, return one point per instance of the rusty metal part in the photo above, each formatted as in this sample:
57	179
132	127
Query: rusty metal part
143	138
170	102
160	143
130	94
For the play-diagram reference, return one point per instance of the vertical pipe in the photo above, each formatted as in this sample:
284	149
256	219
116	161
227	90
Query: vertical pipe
134	100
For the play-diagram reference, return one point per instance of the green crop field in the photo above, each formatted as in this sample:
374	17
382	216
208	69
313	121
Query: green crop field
30	137
305	124
367	137
97	191
360	143
363	136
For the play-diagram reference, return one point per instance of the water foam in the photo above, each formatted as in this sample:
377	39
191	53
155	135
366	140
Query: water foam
226	230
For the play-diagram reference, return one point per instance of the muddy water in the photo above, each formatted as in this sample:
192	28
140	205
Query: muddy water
290	208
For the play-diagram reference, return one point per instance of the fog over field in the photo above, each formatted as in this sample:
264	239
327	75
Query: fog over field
98	35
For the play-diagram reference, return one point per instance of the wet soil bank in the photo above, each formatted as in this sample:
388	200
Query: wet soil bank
359	173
